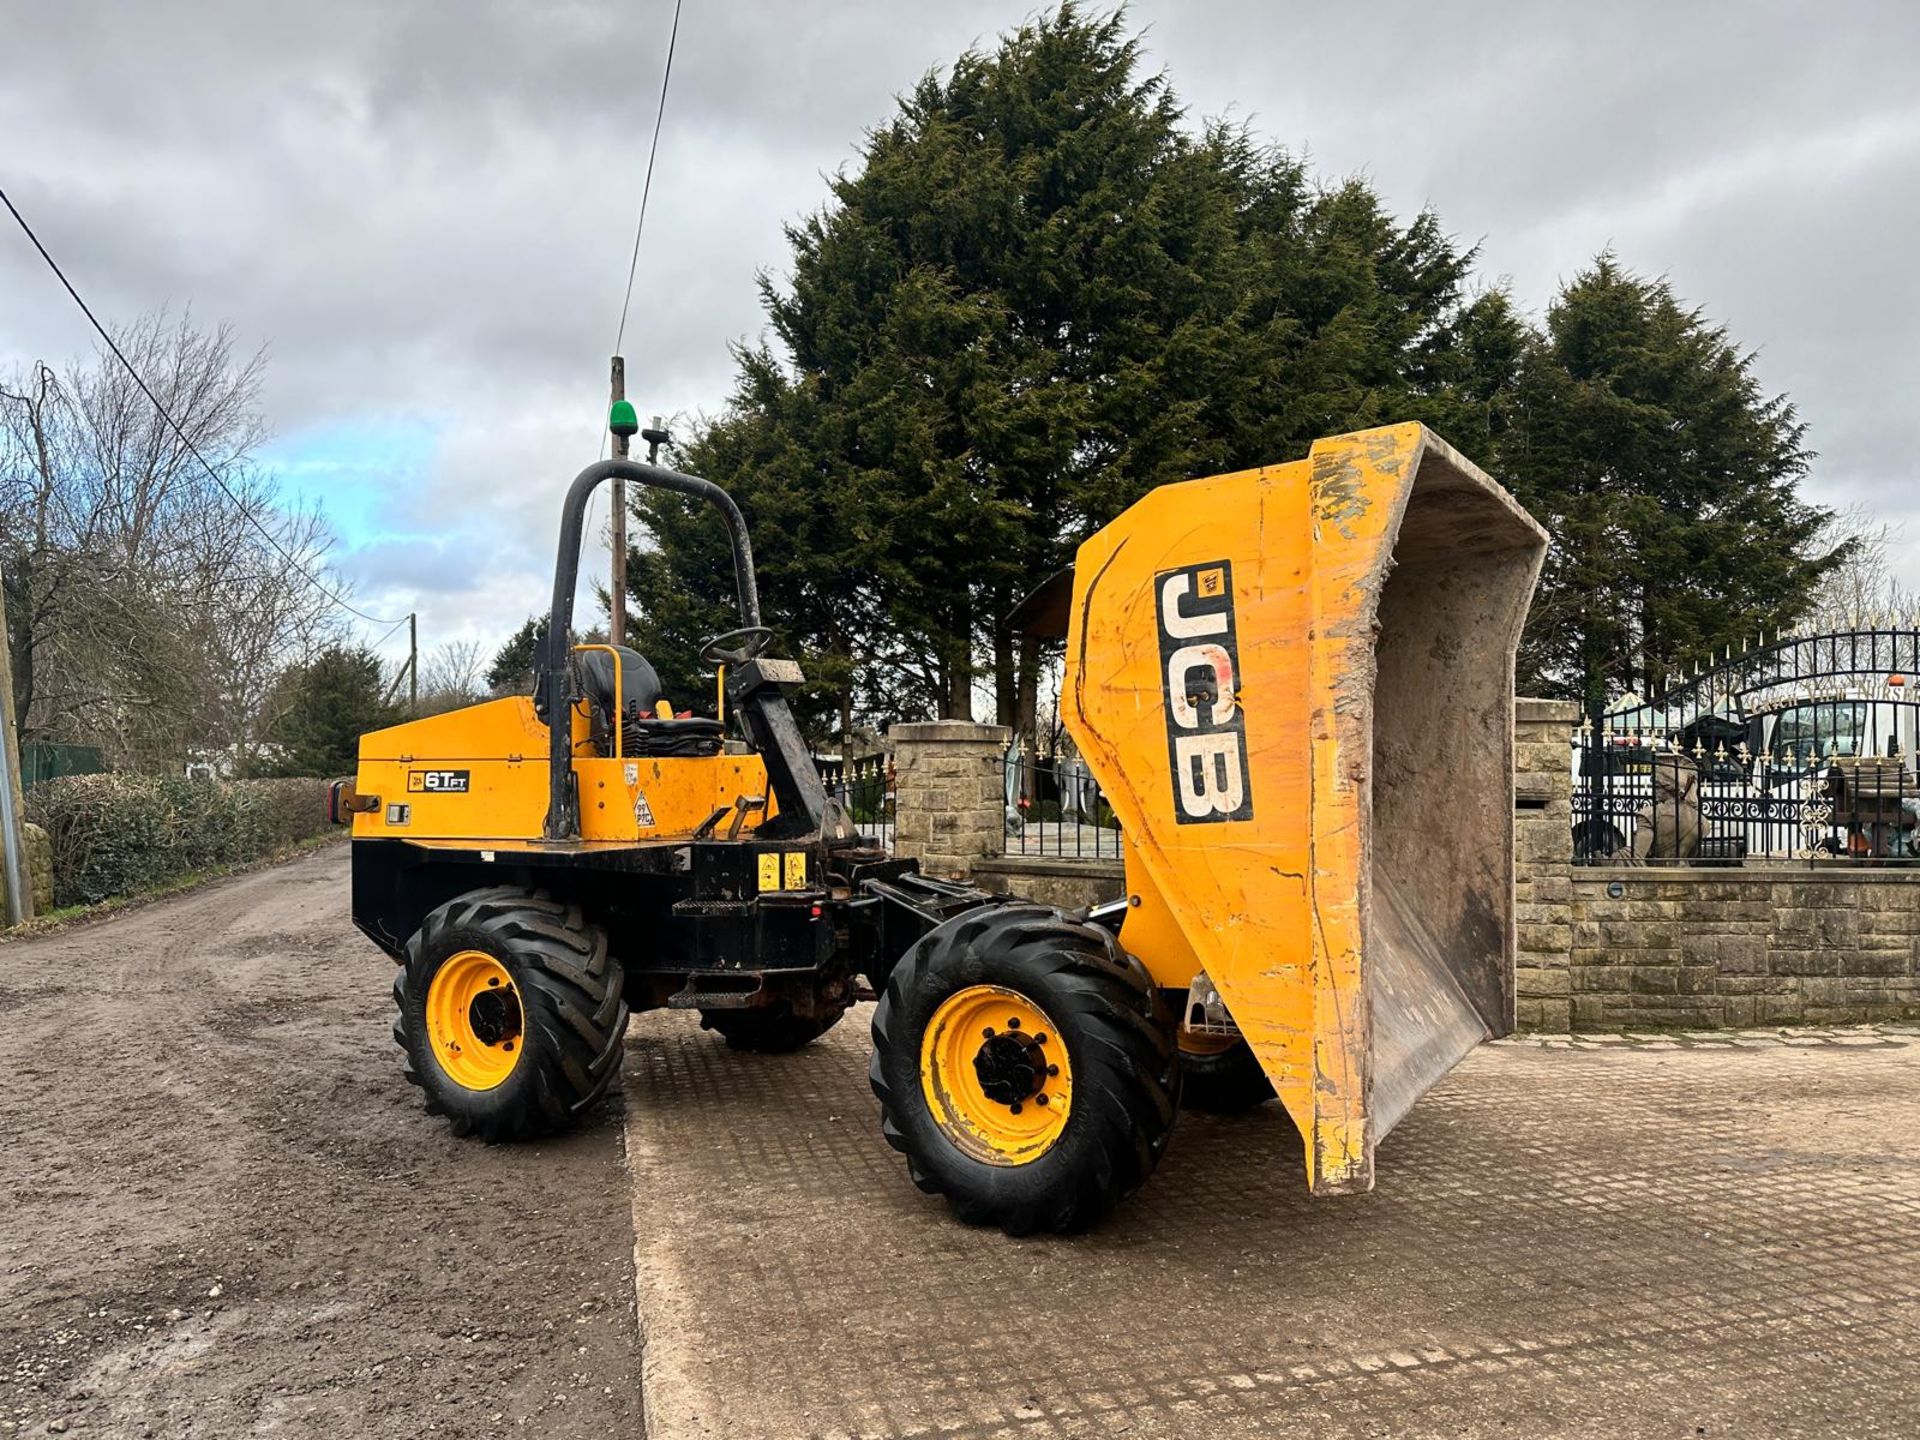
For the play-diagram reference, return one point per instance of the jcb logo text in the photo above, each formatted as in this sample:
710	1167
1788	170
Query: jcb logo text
1200	668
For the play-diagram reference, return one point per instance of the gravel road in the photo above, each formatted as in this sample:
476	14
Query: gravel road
222	1211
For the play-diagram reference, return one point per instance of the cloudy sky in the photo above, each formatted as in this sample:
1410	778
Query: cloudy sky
424	209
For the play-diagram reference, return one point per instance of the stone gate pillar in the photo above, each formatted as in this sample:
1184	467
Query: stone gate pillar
1542	859
949	794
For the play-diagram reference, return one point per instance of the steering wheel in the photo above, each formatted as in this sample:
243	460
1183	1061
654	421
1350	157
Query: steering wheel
736	647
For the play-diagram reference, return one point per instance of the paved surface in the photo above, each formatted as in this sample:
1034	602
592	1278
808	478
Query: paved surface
1596	1241
222	1212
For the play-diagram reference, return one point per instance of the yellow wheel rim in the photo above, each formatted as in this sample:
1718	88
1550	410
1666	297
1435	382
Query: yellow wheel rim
996	1075
1201	1042
474	1020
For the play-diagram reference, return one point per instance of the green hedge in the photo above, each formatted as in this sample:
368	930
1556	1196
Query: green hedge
121	834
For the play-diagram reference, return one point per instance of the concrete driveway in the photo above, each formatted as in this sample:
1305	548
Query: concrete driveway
1629	1239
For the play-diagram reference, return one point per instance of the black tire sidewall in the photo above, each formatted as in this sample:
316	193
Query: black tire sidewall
516	1094
1226	1082
1048	1186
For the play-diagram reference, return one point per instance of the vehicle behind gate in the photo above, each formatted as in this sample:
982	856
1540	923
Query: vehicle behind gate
1800	749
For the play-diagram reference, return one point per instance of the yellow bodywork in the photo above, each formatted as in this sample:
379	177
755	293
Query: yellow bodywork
1295	686
480	774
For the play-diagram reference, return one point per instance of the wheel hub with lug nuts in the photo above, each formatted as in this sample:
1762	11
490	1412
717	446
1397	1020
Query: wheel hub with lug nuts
996	1075
1012	1066
474	1020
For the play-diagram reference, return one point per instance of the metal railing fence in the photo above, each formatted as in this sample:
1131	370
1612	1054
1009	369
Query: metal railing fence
1800	750
864	786
1054	807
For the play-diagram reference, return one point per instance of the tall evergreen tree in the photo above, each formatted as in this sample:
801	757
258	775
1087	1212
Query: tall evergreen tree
1642	440
324	707
514	663
1039	296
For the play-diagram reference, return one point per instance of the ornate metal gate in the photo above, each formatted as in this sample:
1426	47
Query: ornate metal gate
1801	748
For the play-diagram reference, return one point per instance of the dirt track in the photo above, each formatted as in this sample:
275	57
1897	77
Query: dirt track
222	1211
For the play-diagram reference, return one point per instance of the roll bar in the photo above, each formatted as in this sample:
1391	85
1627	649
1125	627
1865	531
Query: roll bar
563	819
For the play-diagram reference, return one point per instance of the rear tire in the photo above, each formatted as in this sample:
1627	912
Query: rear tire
539	1057
1226	1082
768	1030
1114	1067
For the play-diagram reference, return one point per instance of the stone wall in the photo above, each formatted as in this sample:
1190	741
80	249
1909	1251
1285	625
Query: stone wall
1632	947
1702	948
950	814
1071	884
1542	884
40	866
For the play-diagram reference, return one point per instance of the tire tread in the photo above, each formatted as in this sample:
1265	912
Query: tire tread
571	998
1126	1066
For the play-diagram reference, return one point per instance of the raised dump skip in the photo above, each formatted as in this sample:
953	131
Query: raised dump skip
1295	685
1439	956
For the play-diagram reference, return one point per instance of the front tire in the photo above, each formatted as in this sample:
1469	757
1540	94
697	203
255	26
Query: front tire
510	1013
1025	1067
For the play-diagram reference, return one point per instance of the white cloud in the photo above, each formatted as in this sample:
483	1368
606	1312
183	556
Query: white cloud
426	211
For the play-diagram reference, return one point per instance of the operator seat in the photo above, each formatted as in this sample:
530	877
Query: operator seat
642	731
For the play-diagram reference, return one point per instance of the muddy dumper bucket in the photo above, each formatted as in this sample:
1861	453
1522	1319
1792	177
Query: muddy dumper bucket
1295	685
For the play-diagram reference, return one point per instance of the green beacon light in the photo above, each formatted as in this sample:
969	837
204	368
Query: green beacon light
621	419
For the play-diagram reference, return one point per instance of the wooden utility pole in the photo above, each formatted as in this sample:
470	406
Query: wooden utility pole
617	599
16	876
410	672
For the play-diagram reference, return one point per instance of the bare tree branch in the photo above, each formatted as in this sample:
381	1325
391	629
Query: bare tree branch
149	617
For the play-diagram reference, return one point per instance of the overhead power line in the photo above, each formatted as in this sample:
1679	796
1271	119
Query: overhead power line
192	449
390	633
639	228
646	186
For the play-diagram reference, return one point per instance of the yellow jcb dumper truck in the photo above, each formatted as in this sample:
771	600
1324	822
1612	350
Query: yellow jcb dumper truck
1295	686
